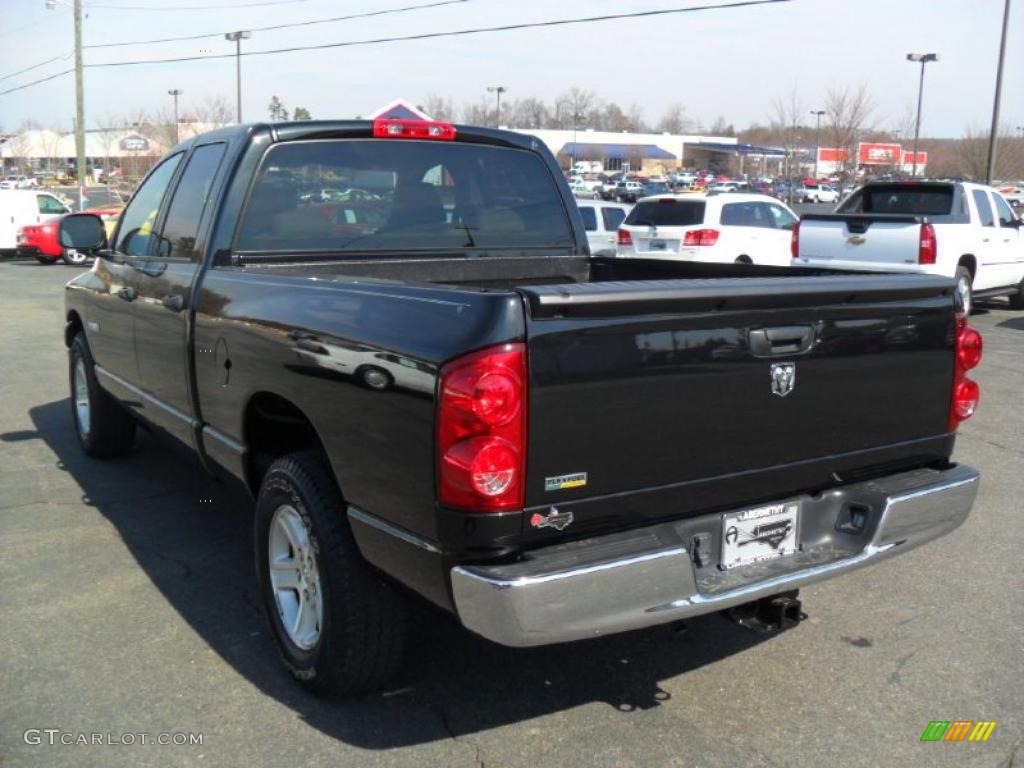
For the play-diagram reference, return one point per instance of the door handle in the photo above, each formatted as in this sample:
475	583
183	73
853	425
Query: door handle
128	294
175	302
782	340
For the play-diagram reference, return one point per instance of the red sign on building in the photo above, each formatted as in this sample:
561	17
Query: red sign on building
879	154
831	155
922	159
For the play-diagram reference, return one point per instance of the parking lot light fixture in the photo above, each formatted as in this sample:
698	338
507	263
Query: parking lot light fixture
923	58
497	90
175	92
237	38
818	113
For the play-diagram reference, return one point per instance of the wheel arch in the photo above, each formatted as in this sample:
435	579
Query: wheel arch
968	260
273	426
72	326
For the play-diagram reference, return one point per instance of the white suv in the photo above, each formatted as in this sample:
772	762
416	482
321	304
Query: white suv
734	227
817	193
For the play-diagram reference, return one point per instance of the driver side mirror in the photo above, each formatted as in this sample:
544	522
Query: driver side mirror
82	232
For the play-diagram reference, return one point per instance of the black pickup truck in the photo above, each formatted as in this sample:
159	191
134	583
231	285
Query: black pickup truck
392	335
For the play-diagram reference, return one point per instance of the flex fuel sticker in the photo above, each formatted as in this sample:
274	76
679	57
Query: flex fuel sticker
564	482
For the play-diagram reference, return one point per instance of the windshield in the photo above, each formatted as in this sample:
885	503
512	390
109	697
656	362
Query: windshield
667	212
358	195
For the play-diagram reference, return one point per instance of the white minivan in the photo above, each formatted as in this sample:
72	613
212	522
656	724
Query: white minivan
19	207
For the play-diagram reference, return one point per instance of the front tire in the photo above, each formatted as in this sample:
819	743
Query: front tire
964	283
1017	300
339	627
103	427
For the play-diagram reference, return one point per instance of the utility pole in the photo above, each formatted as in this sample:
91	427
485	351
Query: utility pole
995	104
238	37
79	101
817	138
497	90
175	92
924	58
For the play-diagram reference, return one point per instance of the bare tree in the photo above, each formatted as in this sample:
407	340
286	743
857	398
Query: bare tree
109	125
479	113
214	111
573	106
529	113
787	122
439	107
674	120
636	120
847	112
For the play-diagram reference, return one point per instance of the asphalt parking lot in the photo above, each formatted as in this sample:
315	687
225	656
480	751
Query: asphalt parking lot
128	605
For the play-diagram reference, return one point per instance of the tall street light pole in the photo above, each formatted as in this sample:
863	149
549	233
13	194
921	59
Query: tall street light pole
923	58
175	92
497	90
995	104
817	138
238	37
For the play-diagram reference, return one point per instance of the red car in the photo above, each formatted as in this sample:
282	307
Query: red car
40	240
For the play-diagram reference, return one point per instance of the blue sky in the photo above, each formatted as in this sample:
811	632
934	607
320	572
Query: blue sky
722	62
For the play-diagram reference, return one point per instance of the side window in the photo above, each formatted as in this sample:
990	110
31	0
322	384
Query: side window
589	218
744	215
178	238
1004	212
136	229
984	207
781	218
612	218
48	204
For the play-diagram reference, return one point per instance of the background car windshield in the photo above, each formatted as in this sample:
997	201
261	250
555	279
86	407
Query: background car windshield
667	213
401	195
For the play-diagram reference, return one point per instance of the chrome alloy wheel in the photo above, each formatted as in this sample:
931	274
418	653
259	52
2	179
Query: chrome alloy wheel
82	408
295	577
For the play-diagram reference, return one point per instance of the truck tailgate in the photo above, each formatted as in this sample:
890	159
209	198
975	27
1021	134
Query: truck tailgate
859	241
660	398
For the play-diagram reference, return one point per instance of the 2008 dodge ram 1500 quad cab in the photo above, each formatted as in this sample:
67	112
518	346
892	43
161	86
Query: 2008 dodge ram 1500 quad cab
431	389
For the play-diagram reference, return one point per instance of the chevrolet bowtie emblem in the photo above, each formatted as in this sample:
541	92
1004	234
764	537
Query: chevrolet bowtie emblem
855	240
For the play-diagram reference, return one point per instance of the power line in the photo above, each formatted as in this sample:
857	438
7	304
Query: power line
272	27
37	82
36	66
194	7
451	33
423	36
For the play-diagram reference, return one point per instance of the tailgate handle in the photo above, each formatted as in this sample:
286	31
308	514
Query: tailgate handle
782	340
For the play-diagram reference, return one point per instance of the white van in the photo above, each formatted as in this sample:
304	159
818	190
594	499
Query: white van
19	207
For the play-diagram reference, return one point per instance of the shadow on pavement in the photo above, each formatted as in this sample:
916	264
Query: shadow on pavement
199	555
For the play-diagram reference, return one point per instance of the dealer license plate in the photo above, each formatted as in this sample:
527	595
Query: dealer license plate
763	533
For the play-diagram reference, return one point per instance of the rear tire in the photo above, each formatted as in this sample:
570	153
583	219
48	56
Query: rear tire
964	288
744	260
103	427
354	639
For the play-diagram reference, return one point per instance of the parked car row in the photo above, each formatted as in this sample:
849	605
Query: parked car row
16	181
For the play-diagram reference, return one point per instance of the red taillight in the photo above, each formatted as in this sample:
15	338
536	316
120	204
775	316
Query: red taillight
966	392
623	237
794	241
926	245
413	129
481	430
701	237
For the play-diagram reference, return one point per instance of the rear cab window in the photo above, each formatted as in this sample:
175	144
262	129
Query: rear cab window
935	201
351	196
667	212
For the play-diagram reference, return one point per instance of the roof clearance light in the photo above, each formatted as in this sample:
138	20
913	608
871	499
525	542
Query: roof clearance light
413	129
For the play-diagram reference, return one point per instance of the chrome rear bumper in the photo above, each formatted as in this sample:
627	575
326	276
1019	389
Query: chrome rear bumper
641	578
